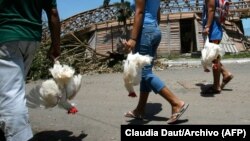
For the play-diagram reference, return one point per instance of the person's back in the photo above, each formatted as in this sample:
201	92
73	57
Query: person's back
21	19
150	20
151	10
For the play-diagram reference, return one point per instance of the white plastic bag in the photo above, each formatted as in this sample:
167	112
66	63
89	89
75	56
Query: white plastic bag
210	52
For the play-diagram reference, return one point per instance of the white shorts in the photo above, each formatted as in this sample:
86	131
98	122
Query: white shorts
15	61
16	128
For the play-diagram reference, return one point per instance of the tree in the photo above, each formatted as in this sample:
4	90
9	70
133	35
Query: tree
106	3
124	12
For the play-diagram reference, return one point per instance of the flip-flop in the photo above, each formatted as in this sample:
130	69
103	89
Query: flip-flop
177	115
226	81
130	114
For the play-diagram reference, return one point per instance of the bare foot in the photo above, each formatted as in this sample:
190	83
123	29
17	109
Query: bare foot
177	107
176	115
225	80
132	114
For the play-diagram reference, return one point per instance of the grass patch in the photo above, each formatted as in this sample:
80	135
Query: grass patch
239	55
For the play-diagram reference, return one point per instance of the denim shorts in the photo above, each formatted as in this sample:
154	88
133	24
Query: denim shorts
147	45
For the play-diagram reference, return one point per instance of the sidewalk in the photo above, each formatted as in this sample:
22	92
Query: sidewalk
192	62
103	100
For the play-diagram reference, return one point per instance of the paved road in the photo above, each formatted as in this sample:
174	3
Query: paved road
103	100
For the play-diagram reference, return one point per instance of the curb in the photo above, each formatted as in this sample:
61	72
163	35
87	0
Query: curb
198	62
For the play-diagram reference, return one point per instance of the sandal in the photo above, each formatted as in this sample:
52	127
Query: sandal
130	114
226	80
211	90
177	115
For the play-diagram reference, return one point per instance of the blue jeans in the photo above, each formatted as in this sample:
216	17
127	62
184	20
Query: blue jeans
147	45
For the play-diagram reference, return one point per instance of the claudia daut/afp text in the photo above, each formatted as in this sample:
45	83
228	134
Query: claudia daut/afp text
186	132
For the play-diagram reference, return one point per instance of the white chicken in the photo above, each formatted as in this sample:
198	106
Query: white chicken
210	52
57	91
132	70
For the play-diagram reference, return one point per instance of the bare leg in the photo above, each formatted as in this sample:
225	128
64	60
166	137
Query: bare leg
227	76
216	74
140	108
175	102
225	73
178	106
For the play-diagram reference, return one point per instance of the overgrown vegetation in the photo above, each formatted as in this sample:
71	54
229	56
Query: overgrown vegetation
76	57
82	58
40	65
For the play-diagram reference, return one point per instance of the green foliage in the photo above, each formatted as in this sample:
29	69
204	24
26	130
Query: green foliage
106	3
40	65
124	11
245	54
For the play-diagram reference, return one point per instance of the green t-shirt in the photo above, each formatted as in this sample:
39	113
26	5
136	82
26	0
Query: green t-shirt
21	19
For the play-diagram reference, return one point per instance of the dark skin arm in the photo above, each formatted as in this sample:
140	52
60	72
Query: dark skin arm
139	11
55	30
211	10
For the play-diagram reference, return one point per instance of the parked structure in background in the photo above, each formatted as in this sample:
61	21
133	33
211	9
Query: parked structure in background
180	25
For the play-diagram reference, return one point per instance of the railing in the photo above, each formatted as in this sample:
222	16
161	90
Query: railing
89	18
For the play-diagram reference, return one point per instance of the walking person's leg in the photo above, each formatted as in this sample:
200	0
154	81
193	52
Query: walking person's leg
140	108
16	125
219	69
216	75
226	76
175	102
139	111
178	106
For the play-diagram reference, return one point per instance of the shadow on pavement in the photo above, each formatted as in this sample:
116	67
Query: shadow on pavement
2	138
61	135
227	89
152	109
204	88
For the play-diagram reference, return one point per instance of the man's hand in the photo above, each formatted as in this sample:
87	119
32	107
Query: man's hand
54	52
